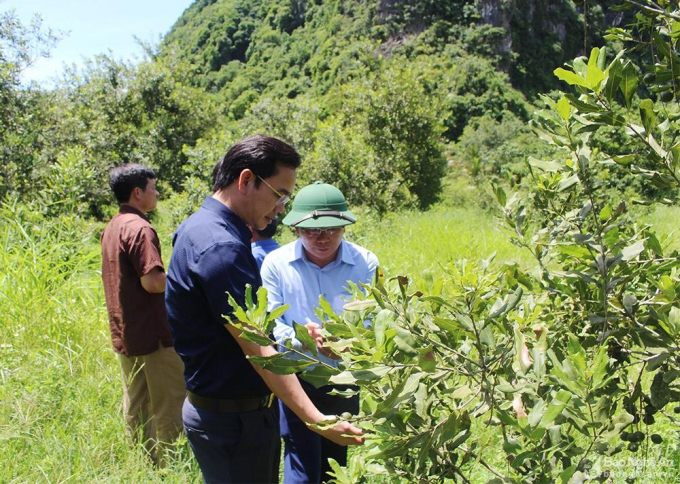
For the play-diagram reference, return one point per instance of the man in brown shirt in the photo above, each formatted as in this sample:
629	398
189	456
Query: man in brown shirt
134	287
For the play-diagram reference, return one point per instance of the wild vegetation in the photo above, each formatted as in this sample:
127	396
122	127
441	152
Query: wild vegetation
526	327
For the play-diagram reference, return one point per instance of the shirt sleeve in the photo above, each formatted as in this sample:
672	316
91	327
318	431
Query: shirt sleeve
222	269
271	280
144	251
372	267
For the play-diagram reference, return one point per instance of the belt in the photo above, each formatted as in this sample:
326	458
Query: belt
231	405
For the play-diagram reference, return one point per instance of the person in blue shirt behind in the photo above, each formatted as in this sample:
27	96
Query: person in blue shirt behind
319	263
230	418
262	242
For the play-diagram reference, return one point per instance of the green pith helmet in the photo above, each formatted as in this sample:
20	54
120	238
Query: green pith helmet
319	206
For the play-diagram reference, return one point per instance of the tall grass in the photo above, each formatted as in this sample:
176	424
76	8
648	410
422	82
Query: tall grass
420	244
60	393
61	417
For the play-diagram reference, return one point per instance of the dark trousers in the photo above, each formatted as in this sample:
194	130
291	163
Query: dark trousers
306	453
234	447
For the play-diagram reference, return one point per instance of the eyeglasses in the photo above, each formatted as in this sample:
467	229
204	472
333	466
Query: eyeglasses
283	199
317	232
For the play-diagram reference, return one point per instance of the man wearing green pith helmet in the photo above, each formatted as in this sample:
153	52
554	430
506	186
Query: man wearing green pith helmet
319	263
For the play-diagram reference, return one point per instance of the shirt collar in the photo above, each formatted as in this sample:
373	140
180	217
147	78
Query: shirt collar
344	255
130	209
229	217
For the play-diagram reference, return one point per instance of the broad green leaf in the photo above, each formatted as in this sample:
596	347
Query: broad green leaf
325	305
277	312
614	77
570	77
279	364
600	369
405	341
254	337
674	320
500	196
564	108
303	336
660	392
583	105
634	250
319	376
536	414
629	82
239	313
448	325
381	321
549	166
567	183
555	408
594	77
462	392
515	298
498	308
350	378
647	115
625	159
605	213
339	472
566	475
577	354
653	244
360	305
261	308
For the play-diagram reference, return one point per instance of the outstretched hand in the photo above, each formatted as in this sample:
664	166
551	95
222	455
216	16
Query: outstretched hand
314	331
343	433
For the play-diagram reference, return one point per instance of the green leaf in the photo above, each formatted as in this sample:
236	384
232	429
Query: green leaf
567	183
594	77
614	77
600	369
405	341
448	325
629	82
239	314
500	196
564	108
634	250
647	115
360	305
660	393
582	105
536	414
674	320
255	338
382	321
279	364
277	312
566	475
305	338
570	77
320	375
559	401
549	166
351	378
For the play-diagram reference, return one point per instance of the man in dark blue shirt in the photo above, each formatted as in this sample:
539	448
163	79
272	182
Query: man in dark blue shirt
228	415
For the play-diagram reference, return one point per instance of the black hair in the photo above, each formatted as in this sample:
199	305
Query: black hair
258	153
270	230
124	179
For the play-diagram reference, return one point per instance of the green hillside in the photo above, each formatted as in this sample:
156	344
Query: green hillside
287	48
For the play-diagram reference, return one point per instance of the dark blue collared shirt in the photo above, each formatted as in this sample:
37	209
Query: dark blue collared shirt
211	256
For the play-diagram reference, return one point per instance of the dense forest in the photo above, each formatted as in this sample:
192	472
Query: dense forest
380	97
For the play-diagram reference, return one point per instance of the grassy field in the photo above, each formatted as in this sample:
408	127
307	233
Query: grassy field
60	412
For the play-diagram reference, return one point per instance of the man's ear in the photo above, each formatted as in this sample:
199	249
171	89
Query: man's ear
245	178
